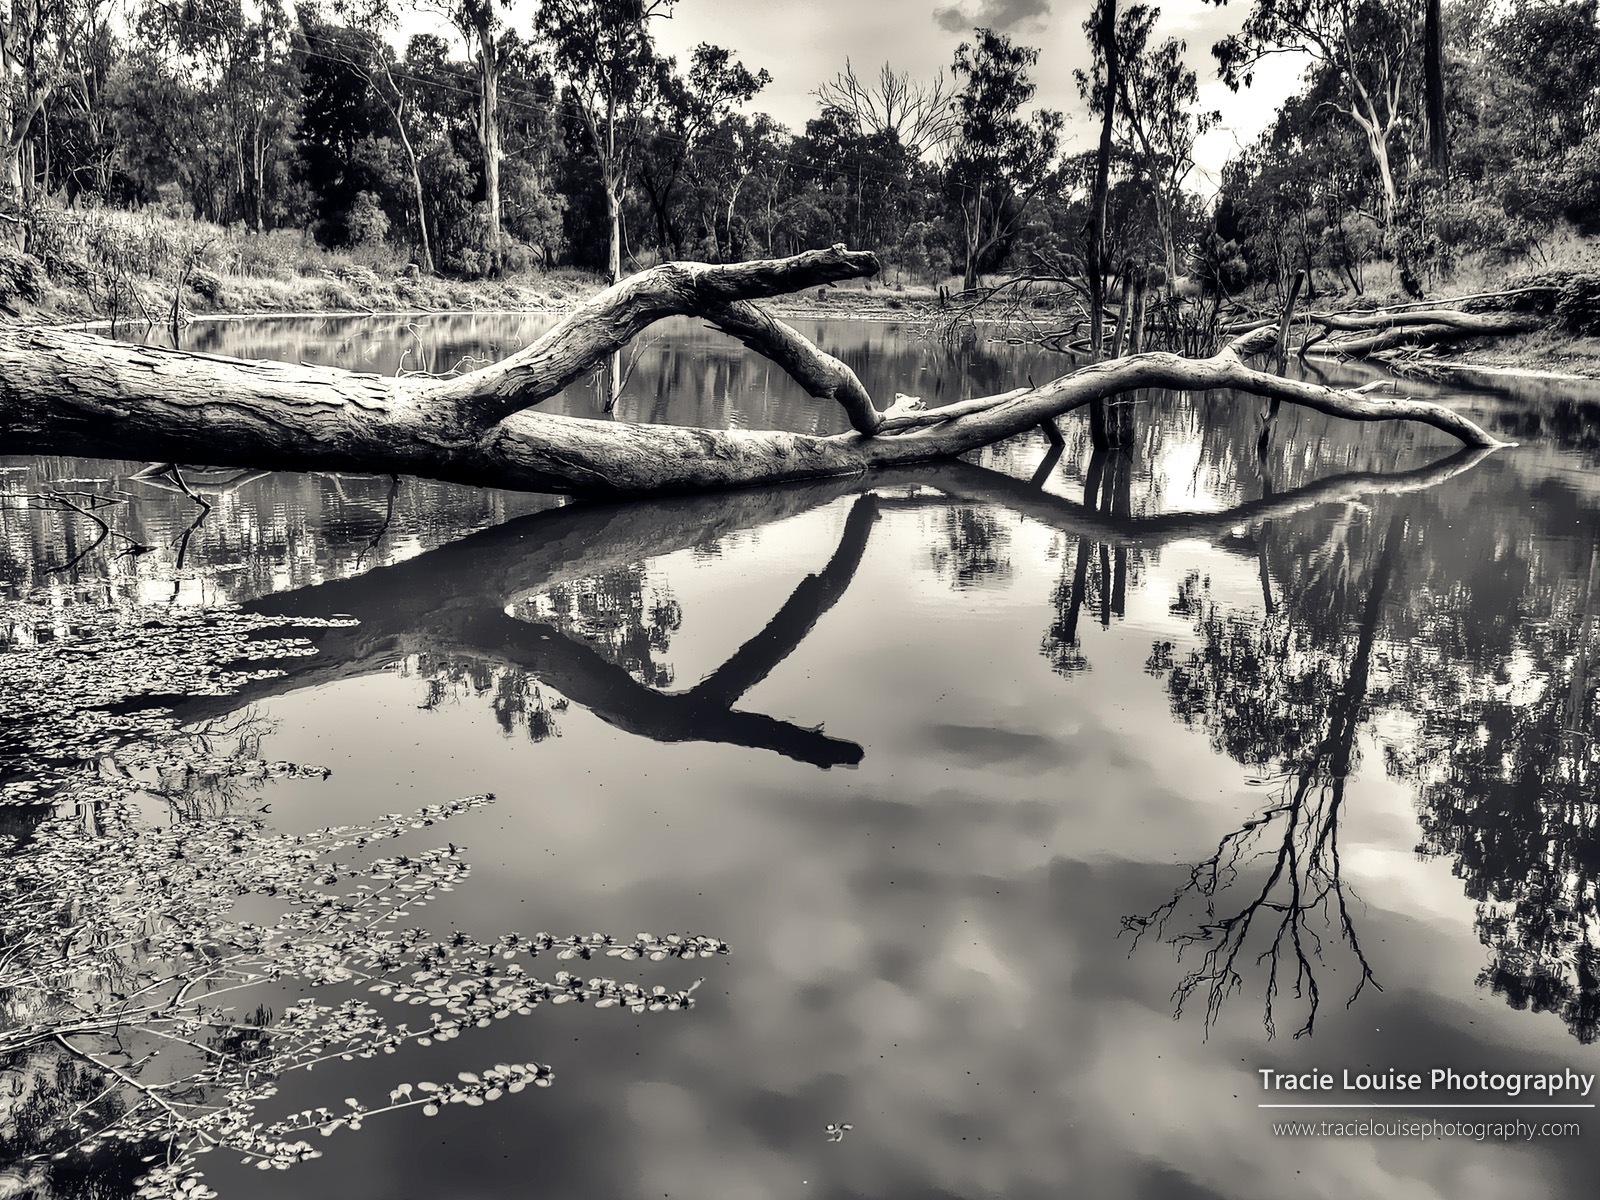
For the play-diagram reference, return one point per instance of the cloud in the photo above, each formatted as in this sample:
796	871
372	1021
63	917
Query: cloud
999	15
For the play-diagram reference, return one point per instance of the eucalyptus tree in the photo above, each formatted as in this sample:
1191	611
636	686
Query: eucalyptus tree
1000	159
366	50
603	51
1158	98
481	25
79	134
686	108
1433	85
224	75
1368	47
36	39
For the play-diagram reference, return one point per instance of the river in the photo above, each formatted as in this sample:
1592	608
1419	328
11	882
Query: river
1043	802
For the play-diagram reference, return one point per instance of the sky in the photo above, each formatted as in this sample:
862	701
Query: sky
804	43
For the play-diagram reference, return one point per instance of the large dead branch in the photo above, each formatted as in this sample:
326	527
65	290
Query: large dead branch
1428	327
1358	334
63	391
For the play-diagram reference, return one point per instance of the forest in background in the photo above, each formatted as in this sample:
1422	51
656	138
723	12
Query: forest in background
1428	142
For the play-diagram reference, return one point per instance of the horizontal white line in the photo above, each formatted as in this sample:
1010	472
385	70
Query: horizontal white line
1424	1106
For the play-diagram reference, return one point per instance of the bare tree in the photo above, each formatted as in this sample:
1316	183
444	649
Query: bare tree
918	114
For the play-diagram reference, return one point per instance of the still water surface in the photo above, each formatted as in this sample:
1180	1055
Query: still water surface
984	772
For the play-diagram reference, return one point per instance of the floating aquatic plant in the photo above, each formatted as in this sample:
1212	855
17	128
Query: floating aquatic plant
123	944
139	963
83	693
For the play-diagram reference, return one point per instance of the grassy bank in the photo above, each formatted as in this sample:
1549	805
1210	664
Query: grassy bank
110	265
105	264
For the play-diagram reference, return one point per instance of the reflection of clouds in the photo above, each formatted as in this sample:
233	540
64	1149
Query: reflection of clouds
926	947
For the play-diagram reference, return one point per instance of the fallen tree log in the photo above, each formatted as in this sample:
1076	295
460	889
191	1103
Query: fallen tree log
1390	331
70	392
1404	326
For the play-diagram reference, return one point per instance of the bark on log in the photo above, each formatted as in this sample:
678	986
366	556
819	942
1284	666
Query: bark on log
1377	331
64	391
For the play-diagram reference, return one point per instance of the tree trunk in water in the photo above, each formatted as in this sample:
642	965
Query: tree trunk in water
63	391
1106	36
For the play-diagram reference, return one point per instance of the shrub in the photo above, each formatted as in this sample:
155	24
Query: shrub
21	275
1578	303
366	222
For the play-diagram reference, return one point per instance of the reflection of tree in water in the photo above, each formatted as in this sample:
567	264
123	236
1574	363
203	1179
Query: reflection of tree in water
1258	686
1272	895
44	1095
515	696
1485	659
1097	576
975	548
1506	768
626	613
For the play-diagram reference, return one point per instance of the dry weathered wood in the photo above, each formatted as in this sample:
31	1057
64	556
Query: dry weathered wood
1426	328
1402	326
64	391
619	314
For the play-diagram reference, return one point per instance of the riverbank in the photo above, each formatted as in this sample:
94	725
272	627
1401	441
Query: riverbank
1545	353
299	279
285	277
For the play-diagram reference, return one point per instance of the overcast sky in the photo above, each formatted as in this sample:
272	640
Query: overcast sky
805	42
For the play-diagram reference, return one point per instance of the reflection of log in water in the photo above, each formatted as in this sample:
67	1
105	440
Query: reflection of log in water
705	712
451	601
1298	838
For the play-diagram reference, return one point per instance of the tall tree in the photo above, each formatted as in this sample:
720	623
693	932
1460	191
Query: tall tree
604	52
80	144
1433	86
36	38
1367	45
1159	99
1101	27
480	24
228	75
366	51
1000	158
685	108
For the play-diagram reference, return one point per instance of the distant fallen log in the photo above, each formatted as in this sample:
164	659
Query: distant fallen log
70	392
1391	331
1359	334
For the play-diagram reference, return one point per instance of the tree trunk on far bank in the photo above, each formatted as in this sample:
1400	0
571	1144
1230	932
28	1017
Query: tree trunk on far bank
489	140
613	189
1106	35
